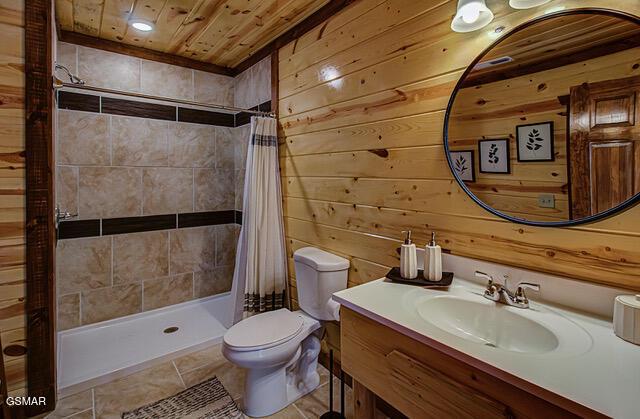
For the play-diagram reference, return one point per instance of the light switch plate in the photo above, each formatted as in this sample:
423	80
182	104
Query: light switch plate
546	201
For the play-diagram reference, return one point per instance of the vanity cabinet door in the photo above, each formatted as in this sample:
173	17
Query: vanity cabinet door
436	395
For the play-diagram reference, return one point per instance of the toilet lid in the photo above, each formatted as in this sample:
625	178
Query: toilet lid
264	330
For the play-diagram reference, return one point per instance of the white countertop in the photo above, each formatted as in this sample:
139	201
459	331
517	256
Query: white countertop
605	377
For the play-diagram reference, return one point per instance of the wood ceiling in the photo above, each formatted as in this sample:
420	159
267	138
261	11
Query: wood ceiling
557	42
220	32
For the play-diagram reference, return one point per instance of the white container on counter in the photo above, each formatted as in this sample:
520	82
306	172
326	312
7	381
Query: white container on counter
408	258
626	318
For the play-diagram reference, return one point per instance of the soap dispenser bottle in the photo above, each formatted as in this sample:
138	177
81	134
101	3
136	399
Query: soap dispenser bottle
408	258
433	260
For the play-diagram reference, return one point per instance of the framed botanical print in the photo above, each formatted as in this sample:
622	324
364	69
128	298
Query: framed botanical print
463	165
535	142
494	156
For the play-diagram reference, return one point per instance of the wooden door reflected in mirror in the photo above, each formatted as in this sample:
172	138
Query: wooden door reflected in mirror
603	145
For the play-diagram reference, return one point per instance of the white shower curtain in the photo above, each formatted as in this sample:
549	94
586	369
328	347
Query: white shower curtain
260	276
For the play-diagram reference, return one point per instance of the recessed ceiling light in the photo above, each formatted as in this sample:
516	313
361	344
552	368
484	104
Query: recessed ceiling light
142	25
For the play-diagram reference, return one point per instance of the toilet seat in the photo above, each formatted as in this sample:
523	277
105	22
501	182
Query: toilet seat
264	330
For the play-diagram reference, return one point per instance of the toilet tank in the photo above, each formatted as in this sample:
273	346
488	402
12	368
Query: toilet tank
318	275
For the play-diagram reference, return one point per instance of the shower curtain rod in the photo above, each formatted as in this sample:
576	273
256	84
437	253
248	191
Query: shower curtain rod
59	84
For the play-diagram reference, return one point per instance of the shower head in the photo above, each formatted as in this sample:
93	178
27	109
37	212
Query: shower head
72	78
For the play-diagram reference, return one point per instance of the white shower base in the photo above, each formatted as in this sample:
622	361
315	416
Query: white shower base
101	352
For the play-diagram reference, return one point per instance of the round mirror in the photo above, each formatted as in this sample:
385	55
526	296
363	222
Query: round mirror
543	128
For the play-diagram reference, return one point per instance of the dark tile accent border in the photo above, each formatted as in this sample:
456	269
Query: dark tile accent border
140	109
109	226
198	116
265	106
243	118
78	228
114	106
197	219
78	102
138	224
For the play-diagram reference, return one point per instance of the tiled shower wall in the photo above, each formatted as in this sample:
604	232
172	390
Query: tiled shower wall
252	88
113	166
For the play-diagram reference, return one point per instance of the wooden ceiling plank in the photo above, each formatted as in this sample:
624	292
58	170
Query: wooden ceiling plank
234	12
261	36
87	16
546	47
300	29
195	24
64	14
172	16
588	32
144	53
593	39
575	42
542	27
115	18
258	18
560	61
543	39
547	31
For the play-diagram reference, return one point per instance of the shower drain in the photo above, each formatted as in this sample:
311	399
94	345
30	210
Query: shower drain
171	329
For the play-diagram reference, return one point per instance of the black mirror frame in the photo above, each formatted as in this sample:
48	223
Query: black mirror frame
600	216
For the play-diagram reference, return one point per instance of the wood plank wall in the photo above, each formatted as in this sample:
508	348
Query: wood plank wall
494	110
12	190
361	107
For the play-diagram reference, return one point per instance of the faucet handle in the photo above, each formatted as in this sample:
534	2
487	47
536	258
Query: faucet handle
484	276
492	291
520	293
523	285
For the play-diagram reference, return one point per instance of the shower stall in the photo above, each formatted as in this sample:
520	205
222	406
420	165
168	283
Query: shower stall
150	162
97	353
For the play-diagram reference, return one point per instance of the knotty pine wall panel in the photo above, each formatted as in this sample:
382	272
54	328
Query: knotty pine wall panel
12	191
361	107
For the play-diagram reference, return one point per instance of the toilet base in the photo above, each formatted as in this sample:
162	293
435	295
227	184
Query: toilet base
270	390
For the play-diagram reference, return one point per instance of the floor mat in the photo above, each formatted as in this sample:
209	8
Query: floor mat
207	400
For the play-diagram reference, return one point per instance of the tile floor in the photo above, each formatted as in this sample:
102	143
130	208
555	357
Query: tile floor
108	401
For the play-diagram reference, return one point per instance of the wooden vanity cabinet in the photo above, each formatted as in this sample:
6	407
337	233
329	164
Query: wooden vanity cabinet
424	382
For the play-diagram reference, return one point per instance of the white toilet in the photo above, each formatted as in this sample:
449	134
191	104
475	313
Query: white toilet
280	348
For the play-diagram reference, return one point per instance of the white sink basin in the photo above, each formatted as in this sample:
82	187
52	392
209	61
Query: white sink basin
535	330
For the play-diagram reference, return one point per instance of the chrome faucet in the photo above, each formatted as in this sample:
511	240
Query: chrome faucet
61	215
501	294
